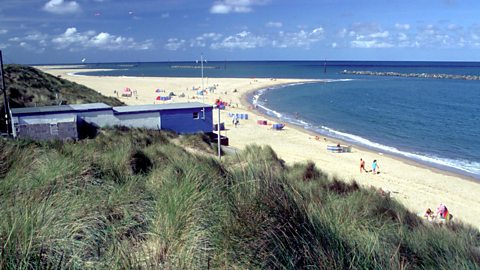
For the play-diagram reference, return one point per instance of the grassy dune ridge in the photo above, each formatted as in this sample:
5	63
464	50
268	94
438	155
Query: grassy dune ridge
139	199
29	87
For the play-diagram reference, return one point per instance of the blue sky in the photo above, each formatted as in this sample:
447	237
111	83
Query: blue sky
66	31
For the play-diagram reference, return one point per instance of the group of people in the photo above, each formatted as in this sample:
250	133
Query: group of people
375	167
441	214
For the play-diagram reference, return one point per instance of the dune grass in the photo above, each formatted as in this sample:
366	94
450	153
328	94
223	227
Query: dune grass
136	199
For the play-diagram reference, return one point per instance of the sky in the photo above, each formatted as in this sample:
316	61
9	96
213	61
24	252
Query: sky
69	31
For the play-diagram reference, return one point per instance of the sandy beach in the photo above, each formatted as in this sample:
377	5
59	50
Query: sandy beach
416	186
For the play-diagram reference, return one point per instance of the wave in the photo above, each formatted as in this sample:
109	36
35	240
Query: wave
86	72
469	167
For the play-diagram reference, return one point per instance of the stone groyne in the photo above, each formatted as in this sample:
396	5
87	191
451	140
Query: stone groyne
415	75
195	67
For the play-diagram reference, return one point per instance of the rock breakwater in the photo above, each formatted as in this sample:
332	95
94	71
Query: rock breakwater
415	75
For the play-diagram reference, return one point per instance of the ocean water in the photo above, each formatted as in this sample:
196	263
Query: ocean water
432	121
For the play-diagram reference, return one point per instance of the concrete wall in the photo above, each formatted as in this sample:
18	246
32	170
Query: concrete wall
103	118
149	120
47	131
182	120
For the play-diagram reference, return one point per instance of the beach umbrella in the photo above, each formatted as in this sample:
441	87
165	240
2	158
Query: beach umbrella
158	98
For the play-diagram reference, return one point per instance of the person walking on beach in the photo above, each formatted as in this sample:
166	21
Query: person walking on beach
375	167
235	120
362	165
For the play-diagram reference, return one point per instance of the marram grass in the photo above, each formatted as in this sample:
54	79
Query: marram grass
136	199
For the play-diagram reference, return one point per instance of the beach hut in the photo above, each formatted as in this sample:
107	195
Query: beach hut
77	121
59	122
190	117
243	116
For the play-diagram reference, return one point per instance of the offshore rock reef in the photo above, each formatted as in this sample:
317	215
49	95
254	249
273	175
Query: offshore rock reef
414	75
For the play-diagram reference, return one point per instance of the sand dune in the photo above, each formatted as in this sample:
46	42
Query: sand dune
416	186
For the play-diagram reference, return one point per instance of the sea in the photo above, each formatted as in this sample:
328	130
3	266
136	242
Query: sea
432	121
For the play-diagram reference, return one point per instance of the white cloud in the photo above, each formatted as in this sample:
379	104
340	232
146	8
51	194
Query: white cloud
402	37
3	31
201	41
72	37
370	44
36	36
342	33
76	41
61	7
431	36
220	8
400	26
317	31
31	48
236	6
249	40
243	40
33	41
4	46
383	34
174	44
274	24
301	39
165	15
334	45
454	27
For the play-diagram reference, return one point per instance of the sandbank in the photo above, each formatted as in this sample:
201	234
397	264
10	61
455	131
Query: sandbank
416	186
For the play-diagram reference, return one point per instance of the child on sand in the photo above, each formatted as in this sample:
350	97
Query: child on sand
429	215
375	167
362	165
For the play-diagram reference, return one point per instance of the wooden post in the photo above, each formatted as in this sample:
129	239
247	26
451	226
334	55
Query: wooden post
5	98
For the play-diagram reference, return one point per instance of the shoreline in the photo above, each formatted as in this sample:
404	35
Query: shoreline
414	185
246	99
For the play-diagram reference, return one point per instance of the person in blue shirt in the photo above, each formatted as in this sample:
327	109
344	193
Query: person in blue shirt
375	167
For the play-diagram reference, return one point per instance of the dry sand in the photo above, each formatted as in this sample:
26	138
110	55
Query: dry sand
416	186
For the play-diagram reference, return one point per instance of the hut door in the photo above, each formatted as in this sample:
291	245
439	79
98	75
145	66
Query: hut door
54	129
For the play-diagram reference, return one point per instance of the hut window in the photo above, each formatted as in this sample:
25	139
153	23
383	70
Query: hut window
196	115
